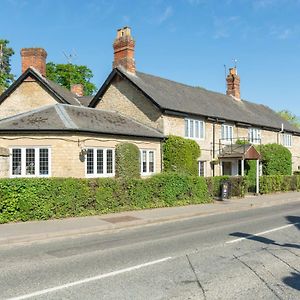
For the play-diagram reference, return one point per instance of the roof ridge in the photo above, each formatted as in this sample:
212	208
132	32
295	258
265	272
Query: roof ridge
64	116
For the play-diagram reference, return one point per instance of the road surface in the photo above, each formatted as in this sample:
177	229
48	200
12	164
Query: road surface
252	254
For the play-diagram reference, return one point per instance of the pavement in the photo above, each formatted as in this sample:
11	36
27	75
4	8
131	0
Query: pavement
24	232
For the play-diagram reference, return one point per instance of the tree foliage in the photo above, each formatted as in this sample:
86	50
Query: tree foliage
68	74
6	77
290	117
276	160
127	161
180	155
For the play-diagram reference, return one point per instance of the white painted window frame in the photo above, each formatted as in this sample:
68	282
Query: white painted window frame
287	140
187	129
147	161
105	174
254	135
225	129
36	161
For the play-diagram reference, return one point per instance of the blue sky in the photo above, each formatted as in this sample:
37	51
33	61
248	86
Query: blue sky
184	40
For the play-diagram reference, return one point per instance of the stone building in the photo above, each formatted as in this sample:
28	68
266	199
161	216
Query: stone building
51	131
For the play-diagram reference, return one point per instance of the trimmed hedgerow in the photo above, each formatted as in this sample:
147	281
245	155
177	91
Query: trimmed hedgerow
238	185
41	199
276	160
180	155
279	183
127	161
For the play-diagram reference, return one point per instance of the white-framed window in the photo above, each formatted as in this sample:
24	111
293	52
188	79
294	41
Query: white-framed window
226	133
201	168
194	129
30	161
147	162
286	140
100	162
254	135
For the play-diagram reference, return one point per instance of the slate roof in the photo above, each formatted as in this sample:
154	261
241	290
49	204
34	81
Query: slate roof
65	117
61	94
177	97
85	100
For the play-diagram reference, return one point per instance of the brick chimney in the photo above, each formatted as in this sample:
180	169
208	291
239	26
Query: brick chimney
124	50
34	57
77	89
233	84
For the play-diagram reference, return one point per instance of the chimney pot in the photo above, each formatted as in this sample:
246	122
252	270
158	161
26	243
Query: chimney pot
34	57
124	50
77	89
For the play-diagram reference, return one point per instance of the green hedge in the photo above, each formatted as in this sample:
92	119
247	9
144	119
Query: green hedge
181	155
276	159
41	199
279	183
239	185
127	161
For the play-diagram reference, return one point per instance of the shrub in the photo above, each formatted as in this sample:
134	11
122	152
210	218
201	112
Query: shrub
127	161
45	198
276	160
239	185
180	155
279	183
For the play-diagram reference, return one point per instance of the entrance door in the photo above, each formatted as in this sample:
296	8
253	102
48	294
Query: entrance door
227	168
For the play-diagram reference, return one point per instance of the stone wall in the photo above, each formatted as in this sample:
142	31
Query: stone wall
65	149
4	162
28	96
127	100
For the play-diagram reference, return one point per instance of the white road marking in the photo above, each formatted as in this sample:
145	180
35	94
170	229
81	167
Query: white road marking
90	279
261	233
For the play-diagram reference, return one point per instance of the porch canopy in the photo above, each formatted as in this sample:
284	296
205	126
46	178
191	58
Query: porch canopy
242	153
237	151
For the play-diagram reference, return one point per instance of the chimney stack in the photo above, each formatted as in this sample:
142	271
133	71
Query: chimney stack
124	50
34	57
233	84
77	89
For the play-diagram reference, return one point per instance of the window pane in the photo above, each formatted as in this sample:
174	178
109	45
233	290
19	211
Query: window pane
44	162
109	161
223	132
186	128
191	128
16	161
151	161
90	161
201	168
201	130
99	161
144	161
197	129
30	161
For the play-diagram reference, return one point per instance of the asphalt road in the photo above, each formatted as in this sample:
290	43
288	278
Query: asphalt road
253	254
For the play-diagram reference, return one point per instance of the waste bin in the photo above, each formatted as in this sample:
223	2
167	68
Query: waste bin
225	189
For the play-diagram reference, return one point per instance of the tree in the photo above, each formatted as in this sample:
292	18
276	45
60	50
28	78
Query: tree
6	78
68	74
290	117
